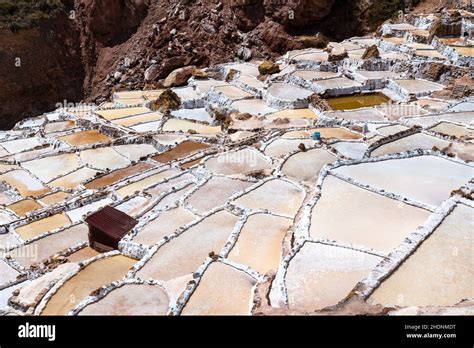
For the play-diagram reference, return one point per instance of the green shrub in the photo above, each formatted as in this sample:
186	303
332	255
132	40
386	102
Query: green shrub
23	14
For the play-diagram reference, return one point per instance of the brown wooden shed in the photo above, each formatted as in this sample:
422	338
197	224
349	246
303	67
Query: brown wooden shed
107	227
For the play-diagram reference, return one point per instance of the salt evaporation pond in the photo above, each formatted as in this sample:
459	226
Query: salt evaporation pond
217	191
370	220
239	162
440	272
104	158
276	196
260	242
322	275
46	169
52	244
357	101
282	147
427	179
95	275
223	290
314	160
164	225
131	299
85	138
39	227
183	255
410	143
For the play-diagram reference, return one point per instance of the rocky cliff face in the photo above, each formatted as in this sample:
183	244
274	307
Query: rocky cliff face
130	43
39	67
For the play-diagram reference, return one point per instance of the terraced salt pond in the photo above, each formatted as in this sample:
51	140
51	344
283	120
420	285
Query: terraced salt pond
200	115
140	119
224	204
315	56
454	130
440	272
131	299
223	290
177	125
164	225
292	114
232	93
24	183
59	126
122	113
52	244
54	198
20	145
83	254
217	190
410	143
357	115
135	151
189	250
288	92
92	277
182	150
239	162
465	51
7	274
427	179
256	107
49	168
104	158
39	227
418	87
326	133
282	147
322	275
118	175
314	161
431	120
74	179
260	242
337	83
370	220
24	207
290	198
85	138
351	149
147	182
357	101
314	75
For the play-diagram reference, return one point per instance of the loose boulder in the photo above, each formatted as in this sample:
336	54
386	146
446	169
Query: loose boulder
336	51
268	68
179	77
371	52
167	101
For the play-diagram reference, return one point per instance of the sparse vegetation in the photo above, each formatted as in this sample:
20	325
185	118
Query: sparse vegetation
24	14
383	9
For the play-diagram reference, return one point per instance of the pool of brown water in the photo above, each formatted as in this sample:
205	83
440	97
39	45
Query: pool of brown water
357	101
180	151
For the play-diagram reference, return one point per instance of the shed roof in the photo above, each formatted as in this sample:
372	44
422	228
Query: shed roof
112	222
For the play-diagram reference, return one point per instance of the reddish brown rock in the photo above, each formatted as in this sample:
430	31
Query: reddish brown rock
179	77
268	68
336	51
371	52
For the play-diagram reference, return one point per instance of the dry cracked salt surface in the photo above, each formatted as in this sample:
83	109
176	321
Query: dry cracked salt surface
368	203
